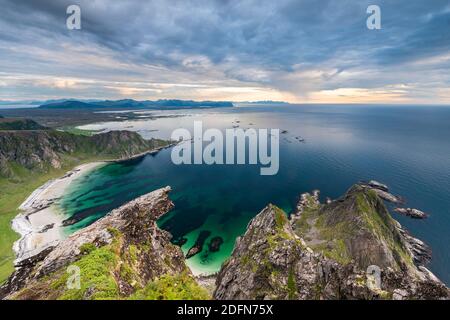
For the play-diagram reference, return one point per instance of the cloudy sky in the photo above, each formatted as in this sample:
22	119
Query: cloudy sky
293	50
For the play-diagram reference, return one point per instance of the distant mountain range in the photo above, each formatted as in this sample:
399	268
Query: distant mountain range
265	102
130	103
39	102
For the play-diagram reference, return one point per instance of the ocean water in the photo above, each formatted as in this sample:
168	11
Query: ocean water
406	147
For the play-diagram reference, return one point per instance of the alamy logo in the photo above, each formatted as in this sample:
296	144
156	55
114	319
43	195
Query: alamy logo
74	278
211	147
373	274
73	22
374	20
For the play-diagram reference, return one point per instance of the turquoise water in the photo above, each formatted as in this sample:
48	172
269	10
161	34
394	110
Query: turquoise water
406	147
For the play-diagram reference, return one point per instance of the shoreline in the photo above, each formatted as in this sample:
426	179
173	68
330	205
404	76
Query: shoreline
39	222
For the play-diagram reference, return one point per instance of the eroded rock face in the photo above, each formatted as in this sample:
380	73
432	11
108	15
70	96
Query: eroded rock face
136	220
327	251
141	244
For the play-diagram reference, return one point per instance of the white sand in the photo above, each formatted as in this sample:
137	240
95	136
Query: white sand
39	212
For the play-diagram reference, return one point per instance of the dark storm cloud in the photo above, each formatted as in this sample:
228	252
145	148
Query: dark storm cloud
298	45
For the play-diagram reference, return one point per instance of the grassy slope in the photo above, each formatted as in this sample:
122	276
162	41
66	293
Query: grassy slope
101	268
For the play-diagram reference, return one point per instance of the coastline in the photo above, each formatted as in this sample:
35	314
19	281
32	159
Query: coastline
39	223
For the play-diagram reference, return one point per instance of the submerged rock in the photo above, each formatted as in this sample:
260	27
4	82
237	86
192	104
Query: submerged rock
70	221
215	243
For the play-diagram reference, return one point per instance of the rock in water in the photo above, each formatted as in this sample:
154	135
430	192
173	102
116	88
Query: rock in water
413	213
382	191
326	253
378	185
198	246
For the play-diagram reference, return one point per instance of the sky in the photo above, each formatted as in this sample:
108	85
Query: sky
300	51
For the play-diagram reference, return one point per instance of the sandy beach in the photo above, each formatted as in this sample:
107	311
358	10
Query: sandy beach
39	223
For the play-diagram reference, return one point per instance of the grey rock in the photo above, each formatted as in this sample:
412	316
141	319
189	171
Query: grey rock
413	213
272	260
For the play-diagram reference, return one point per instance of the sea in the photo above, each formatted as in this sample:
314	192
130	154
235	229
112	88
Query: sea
324	147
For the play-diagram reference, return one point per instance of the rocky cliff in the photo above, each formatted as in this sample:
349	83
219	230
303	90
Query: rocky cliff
350	248
42	150
119	256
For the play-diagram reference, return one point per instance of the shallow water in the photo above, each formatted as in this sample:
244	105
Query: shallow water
406	147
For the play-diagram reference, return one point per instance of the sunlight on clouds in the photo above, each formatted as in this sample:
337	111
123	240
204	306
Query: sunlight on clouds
358	95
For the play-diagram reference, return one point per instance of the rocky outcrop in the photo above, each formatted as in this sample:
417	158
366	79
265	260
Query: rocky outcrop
127	238
382	191
350	248
198	245
413	213
378	185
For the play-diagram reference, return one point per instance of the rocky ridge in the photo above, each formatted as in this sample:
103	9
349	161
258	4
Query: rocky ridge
349	248
126	244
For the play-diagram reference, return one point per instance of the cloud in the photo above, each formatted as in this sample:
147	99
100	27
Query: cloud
296	50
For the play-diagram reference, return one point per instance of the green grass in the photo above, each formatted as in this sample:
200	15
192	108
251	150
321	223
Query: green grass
96	276
102	269
172	287
291	285
280	217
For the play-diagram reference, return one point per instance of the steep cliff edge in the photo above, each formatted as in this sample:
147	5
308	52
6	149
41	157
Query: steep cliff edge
122	255
350	248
